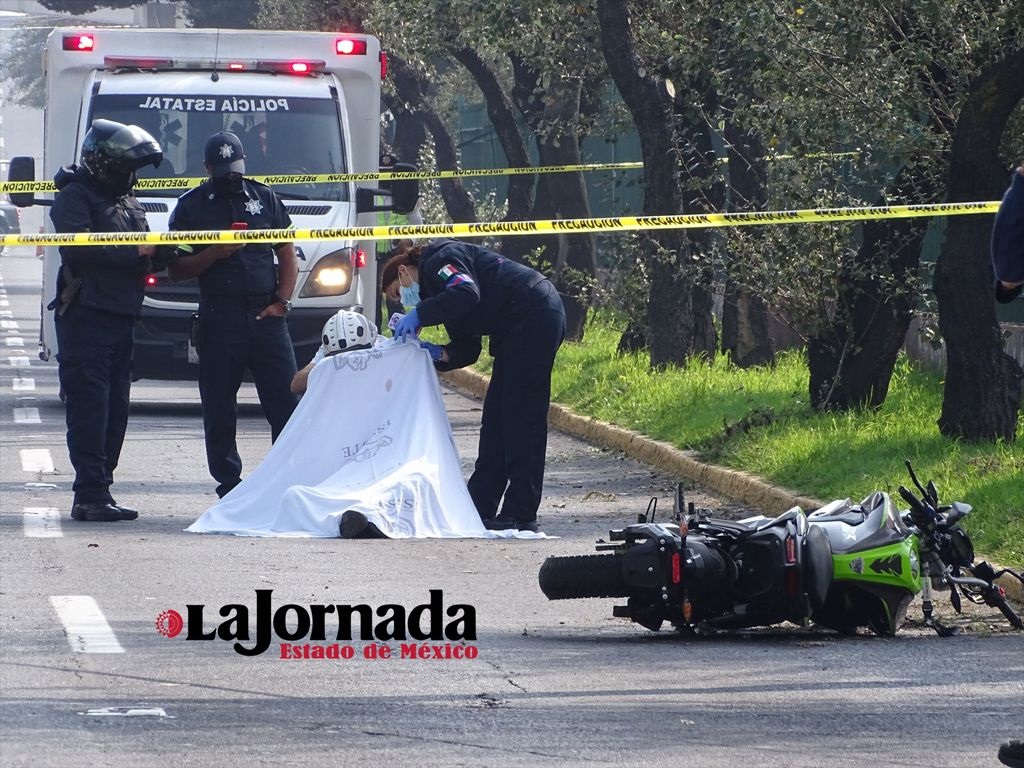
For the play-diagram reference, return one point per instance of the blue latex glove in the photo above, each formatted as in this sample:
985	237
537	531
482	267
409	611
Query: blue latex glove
434	350
408	325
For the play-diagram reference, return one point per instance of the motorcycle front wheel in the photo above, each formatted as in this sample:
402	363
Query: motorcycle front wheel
582	576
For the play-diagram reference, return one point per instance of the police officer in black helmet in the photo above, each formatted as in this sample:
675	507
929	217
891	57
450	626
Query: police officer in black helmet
99	295
243	300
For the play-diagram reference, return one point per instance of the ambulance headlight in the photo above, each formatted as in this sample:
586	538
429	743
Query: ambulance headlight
330	276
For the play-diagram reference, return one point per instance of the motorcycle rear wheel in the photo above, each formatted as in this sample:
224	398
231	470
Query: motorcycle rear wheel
582	576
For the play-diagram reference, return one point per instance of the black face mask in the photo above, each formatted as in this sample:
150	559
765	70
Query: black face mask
225	186
116	182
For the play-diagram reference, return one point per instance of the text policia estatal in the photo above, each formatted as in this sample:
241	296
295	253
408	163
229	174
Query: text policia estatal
446	628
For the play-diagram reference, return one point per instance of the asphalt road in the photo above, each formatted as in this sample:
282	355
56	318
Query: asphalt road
87	680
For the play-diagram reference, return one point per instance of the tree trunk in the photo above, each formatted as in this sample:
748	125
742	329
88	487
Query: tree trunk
576	268
501	112
410	133
670	307
745	332
526	95
410	88
983	384
702	192
851	363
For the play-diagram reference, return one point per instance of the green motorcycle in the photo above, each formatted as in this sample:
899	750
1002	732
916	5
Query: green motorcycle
845	566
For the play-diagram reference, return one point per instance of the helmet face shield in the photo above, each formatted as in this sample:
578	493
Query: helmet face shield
133	148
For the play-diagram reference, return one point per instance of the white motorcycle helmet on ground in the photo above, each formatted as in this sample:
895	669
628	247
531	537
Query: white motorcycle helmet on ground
346	331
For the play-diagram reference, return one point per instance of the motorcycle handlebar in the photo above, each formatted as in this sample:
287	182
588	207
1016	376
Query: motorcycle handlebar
990	593
1007	611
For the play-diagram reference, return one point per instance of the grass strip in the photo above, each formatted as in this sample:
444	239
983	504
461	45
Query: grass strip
759	420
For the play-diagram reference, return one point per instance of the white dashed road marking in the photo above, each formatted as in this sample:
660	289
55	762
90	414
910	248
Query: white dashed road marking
85	625
23	385
42	523
27	416
36	460
19	361
15	341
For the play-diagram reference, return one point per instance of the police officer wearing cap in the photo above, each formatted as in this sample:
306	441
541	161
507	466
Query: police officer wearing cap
476	292
243	300
99	295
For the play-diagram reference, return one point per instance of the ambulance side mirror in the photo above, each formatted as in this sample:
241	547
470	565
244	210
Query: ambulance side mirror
23	168
403	193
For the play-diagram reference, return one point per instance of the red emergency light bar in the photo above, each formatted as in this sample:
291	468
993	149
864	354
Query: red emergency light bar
291	67
350	46
78	42
278	66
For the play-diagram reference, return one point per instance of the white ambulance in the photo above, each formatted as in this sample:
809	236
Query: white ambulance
303	103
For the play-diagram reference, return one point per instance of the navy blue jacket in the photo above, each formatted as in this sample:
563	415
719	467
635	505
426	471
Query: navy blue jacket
473	292
250	271
1008	240
112	276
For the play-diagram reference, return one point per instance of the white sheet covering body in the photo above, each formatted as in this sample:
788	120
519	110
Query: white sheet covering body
370	434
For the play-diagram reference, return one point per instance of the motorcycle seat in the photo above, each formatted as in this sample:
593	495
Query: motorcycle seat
851	517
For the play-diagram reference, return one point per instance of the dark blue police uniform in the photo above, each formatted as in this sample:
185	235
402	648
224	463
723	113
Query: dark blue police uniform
103	288
232	292
1008	241
476	292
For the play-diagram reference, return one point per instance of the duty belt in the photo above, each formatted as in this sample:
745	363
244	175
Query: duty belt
251	300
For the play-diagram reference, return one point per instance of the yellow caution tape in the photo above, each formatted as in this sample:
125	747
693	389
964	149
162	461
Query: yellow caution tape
550	226
184	183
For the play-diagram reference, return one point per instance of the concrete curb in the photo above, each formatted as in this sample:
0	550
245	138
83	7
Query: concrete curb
741	486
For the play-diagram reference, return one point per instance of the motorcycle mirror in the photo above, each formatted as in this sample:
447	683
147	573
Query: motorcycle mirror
958	511
933	493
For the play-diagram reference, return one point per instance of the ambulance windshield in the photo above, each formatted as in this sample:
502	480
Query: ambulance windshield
280	135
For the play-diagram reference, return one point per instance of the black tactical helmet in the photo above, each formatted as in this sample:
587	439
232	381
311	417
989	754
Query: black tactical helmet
112	152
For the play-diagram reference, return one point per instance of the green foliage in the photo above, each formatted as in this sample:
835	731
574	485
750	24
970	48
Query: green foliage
21	58
814	78
758	420
21	52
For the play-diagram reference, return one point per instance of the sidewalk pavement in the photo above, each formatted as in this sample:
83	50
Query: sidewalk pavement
741	486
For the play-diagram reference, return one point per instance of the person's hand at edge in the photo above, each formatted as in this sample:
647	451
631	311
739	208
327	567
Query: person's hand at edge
408	325
436	352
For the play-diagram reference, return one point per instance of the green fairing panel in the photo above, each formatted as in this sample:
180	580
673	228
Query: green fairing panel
894	565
